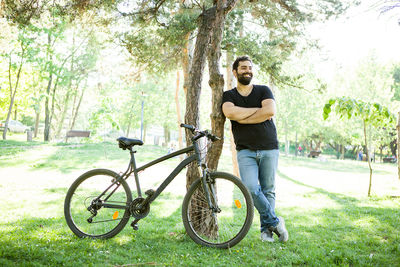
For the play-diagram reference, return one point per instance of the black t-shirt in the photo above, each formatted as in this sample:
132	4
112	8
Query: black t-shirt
259	136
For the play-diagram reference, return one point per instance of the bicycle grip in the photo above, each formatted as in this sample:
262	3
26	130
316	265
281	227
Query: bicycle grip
188	126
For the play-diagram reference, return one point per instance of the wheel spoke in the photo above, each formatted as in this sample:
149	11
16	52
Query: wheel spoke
108	212
230	224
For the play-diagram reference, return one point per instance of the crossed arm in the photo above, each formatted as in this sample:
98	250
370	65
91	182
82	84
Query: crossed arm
250	115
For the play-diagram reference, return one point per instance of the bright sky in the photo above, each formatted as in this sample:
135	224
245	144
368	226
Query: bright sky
363	29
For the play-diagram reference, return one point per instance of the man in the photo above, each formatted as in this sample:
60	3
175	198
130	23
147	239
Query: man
250	109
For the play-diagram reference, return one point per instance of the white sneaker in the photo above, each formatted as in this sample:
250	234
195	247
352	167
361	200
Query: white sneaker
280	230
267	236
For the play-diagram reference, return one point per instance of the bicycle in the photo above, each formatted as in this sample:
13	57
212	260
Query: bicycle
217	210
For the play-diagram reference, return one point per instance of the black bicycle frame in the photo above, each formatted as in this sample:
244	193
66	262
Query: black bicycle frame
170	177
133	169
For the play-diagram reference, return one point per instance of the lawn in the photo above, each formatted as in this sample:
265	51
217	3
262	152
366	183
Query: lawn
330	219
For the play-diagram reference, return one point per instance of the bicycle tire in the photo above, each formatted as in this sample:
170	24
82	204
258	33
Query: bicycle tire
79	197
231	224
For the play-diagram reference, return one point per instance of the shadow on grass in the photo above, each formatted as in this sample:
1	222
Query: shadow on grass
14	148
354	234
69	157
339	198
49	241
347	166
348	236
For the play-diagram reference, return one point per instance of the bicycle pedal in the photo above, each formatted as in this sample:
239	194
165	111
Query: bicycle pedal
134	226
149	192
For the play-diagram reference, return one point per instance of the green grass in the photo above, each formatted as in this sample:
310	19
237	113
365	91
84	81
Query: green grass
330	220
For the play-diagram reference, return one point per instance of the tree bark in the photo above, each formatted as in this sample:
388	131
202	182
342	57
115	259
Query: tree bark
195	79
216	83
368	159
210	32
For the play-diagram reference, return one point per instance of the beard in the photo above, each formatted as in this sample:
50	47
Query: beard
245	80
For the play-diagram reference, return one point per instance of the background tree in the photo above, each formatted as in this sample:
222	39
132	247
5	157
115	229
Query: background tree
396	97
20	52
370	114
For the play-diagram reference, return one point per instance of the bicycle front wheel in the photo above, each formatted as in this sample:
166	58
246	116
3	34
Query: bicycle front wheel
229	223
97	205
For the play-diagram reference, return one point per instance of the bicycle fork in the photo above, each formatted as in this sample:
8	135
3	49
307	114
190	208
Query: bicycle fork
209	185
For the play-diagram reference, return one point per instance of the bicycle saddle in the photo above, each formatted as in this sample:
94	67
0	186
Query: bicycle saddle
125	143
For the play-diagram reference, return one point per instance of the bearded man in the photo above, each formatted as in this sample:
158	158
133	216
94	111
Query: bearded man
250	108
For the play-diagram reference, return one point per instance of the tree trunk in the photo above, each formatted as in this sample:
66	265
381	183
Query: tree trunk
129	120
187	59
37	117
65	103
46	104
287	142
368	160
75	114
216	83
398	147
64	109
342	151
195	79
144	132
166	136
230	83
16	112
210	28
13	92
178	112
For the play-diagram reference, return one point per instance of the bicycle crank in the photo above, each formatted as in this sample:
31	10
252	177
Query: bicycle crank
138	210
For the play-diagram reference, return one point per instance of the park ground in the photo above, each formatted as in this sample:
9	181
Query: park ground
330	219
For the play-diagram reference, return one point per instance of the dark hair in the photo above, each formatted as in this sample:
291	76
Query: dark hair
239	59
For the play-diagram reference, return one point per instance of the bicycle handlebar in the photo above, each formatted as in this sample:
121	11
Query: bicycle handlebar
199	133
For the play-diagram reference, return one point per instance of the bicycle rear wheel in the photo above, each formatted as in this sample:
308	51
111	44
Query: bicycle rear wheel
226	227
97	206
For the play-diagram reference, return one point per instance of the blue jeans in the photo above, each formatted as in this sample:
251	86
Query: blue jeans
257	171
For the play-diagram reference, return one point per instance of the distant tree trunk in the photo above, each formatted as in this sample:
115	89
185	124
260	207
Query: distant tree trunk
13	92
368	160
50	112
65	103
129	120
37	117
16	112
178	111
186	65
166	136
398	147
64	109
342	151
75	111
287	142
144	132
47	102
